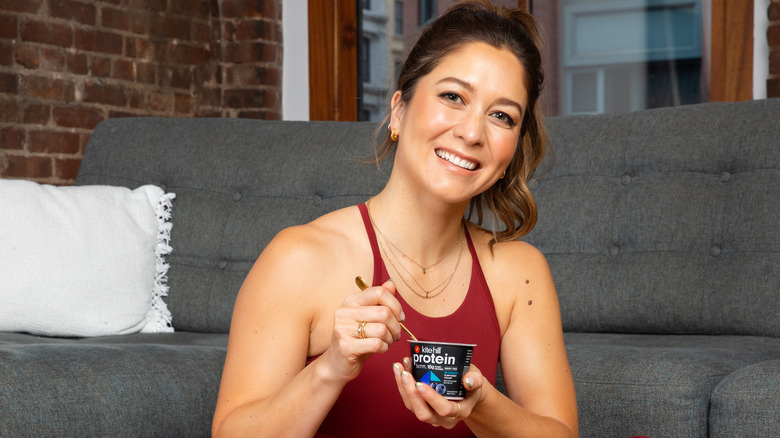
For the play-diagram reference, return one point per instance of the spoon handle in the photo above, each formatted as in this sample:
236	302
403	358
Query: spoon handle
361	283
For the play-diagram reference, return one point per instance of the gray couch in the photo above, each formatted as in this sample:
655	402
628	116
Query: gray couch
661	229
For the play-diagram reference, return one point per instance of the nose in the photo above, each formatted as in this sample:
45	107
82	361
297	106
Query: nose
471	128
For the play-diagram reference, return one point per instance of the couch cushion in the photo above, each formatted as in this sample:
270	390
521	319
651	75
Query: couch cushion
747	402
665	221
237	183
655	385
140	385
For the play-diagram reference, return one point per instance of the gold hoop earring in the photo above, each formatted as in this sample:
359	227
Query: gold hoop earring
394	135
503	174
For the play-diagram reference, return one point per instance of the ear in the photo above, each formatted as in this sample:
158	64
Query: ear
397	110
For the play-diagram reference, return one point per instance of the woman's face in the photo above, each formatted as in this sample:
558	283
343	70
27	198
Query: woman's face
459	131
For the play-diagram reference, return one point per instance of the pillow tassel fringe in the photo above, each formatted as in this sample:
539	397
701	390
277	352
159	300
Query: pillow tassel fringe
159	319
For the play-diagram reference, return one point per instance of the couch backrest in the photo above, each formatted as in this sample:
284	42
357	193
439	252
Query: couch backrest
660	221
665	221
237	183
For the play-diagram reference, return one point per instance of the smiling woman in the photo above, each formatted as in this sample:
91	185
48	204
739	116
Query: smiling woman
464	130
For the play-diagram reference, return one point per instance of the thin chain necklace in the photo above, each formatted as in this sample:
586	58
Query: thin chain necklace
424	268
428	292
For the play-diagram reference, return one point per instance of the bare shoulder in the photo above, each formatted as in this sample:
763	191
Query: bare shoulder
303	254
518	276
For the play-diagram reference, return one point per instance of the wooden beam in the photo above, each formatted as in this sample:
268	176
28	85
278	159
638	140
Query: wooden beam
731	75
333	60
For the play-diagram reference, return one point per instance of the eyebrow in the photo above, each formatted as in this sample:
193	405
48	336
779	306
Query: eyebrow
470	88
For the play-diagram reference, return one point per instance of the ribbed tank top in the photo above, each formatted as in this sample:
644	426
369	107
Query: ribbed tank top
370	405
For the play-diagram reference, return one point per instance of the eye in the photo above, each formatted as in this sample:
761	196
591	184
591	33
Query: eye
504	117
452	97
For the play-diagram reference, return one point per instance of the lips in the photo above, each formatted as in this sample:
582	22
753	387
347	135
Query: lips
456	160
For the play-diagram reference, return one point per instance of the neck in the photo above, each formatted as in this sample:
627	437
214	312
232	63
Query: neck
425	229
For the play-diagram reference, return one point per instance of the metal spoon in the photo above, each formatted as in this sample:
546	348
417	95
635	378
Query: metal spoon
361	283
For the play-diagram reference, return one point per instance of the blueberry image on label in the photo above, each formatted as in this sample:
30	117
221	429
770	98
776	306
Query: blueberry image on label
440	388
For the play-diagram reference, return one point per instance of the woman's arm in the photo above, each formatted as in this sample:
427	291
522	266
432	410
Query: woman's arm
266	389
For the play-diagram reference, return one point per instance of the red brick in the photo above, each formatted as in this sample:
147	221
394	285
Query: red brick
96	92
168	27
250	30
100	67
9	83
27	6
11	138
6	53
53	142
37	114
146	73
183	103
9	109
99	41
244	98
52	60
773	87
114	18
161	101
19	166
47	33
210	96
77	117
27	57
186	54
242	8
77	63
774	11
67	168
124	70
244	52
8	27
773	35
201	33
190	8
83	13
180	77
49	88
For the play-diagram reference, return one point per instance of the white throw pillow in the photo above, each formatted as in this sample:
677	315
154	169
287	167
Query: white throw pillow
83	261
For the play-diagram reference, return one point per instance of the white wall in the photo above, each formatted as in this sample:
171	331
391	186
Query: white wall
760	48
295	64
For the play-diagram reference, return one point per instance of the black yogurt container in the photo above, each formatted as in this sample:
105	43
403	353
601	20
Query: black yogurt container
441	365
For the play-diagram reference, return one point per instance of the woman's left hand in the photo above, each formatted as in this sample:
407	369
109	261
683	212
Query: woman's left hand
430	406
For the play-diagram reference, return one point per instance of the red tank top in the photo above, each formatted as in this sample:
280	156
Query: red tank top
370	405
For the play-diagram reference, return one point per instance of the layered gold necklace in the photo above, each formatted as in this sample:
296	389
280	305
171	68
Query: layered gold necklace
390	255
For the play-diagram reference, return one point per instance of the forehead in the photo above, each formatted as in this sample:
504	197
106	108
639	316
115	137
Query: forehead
486	68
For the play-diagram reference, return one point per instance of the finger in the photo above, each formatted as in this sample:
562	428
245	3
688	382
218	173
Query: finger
379	331
443	407
397	370
383	295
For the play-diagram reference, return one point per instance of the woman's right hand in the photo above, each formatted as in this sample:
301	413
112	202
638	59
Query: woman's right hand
381	311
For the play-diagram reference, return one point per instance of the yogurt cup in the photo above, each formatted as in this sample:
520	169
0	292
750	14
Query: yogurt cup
441	365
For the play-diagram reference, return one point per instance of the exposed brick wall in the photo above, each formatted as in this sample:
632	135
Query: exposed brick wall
773	37
66	65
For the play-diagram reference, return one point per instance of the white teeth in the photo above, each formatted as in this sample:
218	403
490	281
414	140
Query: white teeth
456	160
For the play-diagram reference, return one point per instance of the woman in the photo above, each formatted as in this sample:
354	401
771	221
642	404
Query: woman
310	354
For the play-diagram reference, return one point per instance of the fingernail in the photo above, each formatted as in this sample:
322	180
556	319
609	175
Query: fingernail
403	316
405	376
469	382
397	368
406	361
420	387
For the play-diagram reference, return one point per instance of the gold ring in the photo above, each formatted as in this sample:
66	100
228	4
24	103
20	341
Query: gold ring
455	417
362	330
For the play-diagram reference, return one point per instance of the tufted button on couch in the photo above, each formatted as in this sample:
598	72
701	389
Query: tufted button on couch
660	227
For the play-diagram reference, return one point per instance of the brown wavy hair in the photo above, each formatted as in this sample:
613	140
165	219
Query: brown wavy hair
509	200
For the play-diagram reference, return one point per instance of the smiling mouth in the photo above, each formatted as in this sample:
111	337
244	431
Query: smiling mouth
456	160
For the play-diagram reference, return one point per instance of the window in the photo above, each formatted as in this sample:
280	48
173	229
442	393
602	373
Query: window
427	11
623	56
365	60
367	4
399	17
